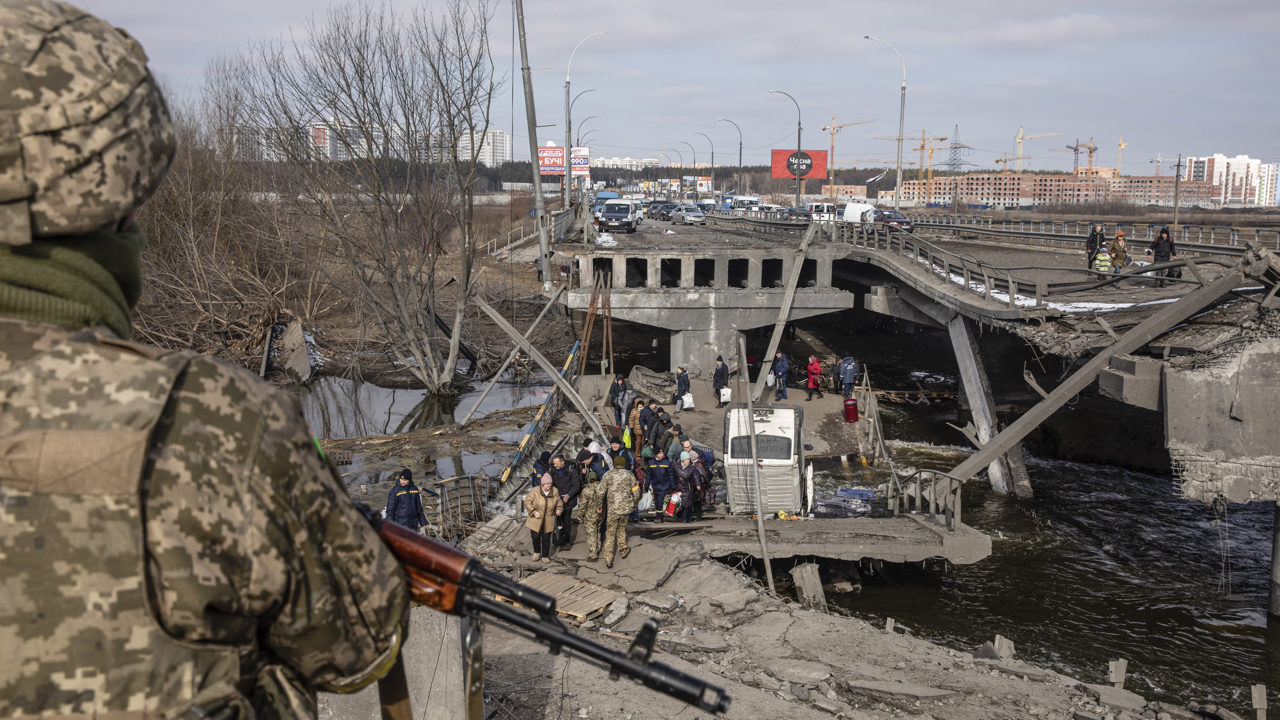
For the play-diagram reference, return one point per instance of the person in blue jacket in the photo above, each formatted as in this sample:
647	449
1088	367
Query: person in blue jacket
404	503
682	387
658	474
781	366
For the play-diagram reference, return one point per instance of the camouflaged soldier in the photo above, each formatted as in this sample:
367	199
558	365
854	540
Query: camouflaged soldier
171	543
621	489
591	512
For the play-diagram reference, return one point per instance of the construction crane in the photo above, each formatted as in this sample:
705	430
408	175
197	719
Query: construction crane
926	145
1006	158
833	128
1159	161
1020	137
1088	147
1120	146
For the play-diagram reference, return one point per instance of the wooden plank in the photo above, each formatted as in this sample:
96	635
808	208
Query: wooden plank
575	599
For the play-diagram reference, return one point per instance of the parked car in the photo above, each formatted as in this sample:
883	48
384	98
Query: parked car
895	220
689	215
797	214
664	211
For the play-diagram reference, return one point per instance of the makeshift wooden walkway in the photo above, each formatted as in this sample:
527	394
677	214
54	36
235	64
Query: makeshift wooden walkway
576	600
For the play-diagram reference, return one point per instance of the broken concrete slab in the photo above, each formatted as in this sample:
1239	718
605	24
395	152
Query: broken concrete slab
699	583
663	602
734	602
835	707
1115	698
809	586
899	689
797	671
700	640
1016	669
763	636
616	611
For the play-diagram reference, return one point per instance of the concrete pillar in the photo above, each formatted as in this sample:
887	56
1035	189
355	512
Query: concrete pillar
653	277
686	272
619	265
824	272
977	389
696	350
722	273
755	269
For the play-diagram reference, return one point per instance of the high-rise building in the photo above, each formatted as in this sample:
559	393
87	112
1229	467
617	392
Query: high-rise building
495	147
1238	180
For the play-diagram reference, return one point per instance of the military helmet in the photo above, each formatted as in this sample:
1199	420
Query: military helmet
85	135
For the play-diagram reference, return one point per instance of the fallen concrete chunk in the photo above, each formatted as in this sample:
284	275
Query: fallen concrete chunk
900	689
1213	711
1082	715
809	586
835	707
797	671
659	601
702	641
1016	669
733	602
617	610
1115	698
1173	711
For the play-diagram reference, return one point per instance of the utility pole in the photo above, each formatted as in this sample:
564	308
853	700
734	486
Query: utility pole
1177	182
539	204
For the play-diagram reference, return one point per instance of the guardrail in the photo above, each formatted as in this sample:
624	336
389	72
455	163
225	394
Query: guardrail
1072	233
524	232
941	498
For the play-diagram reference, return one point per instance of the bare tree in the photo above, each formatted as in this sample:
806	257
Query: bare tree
219	270
367	111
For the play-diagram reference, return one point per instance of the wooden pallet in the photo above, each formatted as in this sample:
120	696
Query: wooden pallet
576	599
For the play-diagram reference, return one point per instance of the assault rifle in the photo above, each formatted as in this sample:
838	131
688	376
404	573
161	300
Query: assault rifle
450	581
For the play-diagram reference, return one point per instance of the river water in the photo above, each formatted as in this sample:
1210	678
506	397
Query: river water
1103	563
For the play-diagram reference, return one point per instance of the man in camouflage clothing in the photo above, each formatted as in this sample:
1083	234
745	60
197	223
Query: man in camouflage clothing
591	511
171	542
621	491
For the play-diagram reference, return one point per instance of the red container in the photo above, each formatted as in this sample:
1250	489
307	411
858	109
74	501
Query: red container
850	410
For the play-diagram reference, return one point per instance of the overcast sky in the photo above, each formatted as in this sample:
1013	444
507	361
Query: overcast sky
1169	76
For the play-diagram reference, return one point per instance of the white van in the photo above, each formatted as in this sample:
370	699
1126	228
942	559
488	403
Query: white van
785	483
856	212
821	210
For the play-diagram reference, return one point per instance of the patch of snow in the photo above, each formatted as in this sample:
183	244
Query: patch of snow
313	351
606	240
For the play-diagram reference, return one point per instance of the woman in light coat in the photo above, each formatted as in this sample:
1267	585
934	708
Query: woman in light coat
543	505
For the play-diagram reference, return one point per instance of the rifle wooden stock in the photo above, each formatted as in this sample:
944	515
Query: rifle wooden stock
450	581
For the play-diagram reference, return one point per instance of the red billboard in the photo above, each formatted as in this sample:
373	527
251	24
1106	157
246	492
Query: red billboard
812	164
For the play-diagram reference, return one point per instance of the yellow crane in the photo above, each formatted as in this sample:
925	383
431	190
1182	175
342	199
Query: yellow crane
833	128
1020	137
1088	147
1120	146
1006	158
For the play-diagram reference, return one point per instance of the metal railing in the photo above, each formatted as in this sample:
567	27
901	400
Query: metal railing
544	418
1072	233
943	496
528	231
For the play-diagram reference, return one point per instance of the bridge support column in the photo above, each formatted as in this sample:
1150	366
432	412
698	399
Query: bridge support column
696	350
977	389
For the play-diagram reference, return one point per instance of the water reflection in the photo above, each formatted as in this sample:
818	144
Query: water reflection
337	407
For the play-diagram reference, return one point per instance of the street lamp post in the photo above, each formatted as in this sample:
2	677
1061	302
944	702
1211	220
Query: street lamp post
568	121
713	164
735	125
902	109
582	122
695	171
797	173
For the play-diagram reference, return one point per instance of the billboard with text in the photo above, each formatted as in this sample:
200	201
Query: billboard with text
808	164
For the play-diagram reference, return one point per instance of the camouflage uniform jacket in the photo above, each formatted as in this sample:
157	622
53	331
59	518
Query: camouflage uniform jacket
590	500
169	536
621	489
